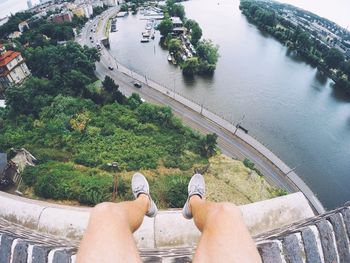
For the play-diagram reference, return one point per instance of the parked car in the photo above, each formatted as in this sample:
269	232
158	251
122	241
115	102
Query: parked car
138	85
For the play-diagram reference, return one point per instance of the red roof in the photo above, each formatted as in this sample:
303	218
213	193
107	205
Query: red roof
7	57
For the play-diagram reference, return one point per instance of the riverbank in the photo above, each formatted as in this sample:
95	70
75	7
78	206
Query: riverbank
307	40
201	118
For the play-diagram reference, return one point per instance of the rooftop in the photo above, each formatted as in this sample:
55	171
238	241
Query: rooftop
176	20
7	57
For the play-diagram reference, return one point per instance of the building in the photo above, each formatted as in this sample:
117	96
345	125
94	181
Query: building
109	2
61	17
85	10
29	4
97	3
178	27
11	174
176	21
78	11
88	10
13	69
14	35
23	26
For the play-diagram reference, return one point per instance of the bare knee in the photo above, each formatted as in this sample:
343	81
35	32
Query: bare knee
108	209
224	210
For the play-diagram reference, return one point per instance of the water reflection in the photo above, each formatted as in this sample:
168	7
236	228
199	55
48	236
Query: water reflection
321	78
339	94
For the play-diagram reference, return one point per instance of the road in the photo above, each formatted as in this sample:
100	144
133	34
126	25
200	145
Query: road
229	143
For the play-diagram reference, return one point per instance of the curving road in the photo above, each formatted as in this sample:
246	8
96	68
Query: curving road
229	143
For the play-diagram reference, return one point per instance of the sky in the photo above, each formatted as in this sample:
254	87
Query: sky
335	10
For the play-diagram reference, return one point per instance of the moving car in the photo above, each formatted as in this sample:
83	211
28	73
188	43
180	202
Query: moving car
138	85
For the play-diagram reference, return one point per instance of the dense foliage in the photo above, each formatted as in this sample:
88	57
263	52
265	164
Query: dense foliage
12	24
75	125
329	60
65	69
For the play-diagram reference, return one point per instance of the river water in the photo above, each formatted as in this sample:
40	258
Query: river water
284	102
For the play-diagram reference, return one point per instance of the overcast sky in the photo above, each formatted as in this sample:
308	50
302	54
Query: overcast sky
335	10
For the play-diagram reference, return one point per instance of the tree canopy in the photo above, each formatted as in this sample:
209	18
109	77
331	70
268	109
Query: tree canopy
165	27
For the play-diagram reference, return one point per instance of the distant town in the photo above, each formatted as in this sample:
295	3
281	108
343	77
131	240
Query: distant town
63	11
328	32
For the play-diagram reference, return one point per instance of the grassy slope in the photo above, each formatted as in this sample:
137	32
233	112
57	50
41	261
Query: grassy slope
229	180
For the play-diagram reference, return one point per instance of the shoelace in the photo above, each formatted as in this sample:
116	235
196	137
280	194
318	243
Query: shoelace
197	189
140	189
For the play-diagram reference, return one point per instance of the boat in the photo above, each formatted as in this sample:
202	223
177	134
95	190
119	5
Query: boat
144	40
146	34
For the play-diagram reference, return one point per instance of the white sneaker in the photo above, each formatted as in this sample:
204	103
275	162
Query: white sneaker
196	186
139	185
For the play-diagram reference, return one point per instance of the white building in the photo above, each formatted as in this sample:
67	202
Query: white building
88	10
23	26
13	69
29	4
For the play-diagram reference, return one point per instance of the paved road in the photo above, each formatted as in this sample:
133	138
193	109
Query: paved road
229	143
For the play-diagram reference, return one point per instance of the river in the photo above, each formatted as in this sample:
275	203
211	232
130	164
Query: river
284	102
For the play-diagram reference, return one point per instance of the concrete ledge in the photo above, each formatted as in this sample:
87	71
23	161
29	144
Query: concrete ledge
169	228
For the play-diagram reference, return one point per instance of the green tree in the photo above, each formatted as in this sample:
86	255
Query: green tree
177	10
207	51
165	27
190	66
174	45
334	58
346	68
196	31
303	40
134	101
113	89
208	145
30	97
196	34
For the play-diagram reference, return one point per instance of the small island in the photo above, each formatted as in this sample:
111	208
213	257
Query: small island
182	37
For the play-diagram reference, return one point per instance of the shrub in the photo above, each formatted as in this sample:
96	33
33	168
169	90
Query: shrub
176	190
95	190
29	175
170	190
248	163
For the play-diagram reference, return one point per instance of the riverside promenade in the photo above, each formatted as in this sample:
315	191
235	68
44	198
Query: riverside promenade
232	140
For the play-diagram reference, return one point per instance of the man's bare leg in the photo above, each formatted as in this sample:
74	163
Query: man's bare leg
108	237
225	237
